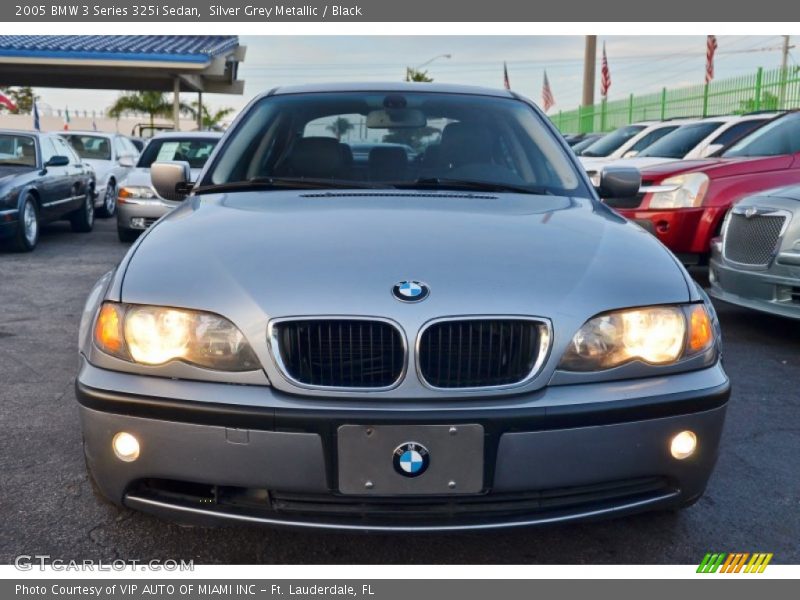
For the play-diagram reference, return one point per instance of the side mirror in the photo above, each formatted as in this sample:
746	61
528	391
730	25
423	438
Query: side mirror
57	161
619	182
711	149
630	154
126	161
171	179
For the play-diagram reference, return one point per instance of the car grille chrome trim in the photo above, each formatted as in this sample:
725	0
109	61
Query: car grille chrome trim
752	239
492	352
339	353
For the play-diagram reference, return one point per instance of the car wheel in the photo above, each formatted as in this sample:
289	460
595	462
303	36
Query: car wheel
127	235
82	220
109	202
27	235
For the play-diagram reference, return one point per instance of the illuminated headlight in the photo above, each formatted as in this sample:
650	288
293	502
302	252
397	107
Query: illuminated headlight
660	335
136	194
688	191
153	335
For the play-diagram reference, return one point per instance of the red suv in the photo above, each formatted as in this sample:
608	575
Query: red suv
683	203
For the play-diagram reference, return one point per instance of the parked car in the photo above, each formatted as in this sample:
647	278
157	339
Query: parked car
439	349
139	205
41	180
699	139
584	143
684	203
756	261
627	141
112	157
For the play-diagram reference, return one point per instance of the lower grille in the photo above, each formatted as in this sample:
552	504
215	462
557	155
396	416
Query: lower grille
477	353
340	353
752	240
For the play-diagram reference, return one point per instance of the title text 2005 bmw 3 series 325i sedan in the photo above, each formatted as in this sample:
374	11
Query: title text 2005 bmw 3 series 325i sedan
449	332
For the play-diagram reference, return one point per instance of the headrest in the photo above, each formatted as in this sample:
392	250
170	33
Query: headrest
387	155
464	143
316	157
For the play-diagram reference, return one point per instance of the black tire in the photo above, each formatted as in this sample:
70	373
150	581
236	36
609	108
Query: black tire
127	236
108	210
27	236
82	220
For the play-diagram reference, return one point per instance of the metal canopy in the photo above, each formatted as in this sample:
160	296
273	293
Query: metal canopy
124	62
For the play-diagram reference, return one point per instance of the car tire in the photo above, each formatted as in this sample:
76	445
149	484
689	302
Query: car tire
82	220
127	236
27	235
109	207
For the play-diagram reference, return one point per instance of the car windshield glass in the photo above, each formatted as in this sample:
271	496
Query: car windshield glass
90	146
384	139
613	141
583	144
195	151
17	150
681	141
781	136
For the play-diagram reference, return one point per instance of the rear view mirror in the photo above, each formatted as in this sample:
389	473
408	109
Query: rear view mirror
396	118
619	182
126	161
57	161
171	179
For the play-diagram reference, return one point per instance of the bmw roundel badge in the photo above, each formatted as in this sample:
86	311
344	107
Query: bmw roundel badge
411	459
410	291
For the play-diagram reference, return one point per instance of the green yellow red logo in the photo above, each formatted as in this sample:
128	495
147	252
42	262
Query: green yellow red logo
738	562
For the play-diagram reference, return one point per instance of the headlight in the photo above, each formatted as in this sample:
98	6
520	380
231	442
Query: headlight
689	191
153	335
135	194
658	335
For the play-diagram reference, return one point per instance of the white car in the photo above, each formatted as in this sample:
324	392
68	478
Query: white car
112	156
627	141
695	140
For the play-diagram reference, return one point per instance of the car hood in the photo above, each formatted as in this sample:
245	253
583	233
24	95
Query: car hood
8	173
717	168
251	255
100	167
639	162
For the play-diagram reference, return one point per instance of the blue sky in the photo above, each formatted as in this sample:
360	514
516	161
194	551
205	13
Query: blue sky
638	64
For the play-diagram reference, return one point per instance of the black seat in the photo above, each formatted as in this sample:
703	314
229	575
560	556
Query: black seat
388	163
316	157
465	144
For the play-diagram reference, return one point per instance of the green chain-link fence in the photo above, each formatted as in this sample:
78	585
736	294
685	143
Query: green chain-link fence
763	90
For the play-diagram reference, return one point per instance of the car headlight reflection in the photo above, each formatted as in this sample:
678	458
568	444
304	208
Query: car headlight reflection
153	335
689	191
658	335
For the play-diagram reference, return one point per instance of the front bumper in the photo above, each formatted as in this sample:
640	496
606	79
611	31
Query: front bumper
145	213
684	231
550	456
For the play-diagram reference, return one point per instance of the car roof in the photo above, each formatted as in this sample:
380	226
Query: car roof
185	134
390	86
24	132
87	132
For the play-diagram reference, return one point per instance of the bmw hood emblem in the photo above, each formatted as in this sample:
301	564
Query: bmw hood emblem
411	459
410	291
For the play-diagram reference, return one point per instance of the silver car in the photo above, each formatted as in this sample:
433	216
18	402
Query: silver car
756	261
463	340
112	156
138	204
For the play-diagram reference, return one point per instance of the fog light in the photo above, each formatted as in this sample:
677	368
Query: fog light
683	445
138	223
126	447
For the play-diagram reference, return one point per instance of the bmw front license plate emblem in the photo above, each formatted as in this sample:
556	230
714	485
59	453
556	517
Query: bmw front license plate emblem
411	459
410	291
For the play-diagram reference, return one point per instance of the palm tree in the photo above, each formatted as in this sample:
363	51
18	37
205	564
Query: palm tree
155	104
418	75
210	120
340	127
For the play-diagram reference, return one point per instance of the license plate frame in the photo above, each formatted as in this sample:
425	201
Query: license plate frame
367	466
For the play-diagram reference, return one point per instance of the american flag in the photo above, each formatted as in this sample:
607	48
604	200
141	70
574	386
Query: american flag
506	82
547	94
7	102
711	48
605	75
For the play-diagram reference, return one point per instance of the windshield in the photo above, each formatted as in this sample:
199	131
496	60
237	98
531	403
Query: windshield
17	150
394	139
682	141
781	136
195	151
583	144
613	141
90	146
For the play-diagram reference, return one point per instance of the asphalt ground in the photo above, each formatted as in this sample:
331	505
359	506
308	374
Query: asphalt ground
47	505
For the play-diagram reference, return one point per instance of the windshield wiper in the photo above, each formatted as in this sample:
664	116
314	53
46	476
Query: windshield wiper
291	183
468	184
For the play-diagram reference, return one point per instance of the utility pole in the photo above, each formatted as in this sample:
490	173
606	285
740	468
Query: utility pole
784	74
589	60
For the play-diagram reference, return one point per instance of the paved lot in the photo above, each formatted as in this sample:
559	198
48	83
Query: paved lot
47	507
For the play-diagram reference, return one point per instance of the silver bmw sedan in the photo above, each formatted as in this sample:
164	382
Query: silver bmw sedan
460	336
